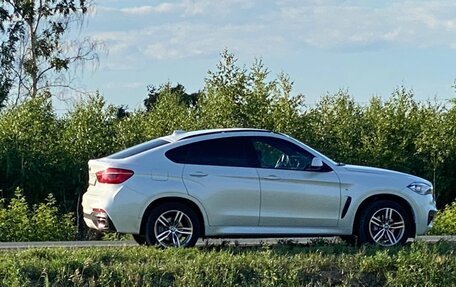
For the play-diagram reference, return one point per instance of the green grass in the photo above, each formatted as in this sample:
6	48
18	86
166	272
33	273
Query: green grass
287	264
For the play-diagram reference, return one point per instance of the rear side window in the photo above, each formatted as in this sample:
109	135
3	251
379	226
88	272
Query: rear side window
137	149
233	151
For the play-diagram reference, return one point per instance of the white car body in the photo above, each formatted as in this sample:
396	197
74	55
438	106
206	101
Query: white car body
234	201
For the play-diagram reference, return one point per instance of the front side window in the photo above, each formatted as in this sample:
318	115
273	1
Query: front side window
233	151
280	154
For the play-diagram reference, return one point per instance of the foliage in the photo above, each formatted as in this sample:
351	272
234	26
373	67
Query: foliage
445	221
19	222
270	265
29	149
336	126
239	97
154	94
131	130
170	114
89	130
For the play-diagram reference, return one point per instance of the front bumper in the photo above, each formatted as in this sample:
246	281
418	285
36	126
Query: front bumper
431	216
425	211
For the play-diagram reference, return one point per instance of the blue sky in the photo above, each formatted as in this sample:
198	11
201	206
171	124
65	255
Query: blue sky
365	47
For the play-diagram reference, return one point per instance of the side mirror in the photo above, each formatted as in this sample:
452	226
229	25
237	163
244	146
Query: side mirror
316	164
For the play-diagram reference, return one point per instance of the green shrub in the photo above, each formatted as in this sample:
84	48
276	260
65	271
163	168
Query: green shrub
30	156
19	222
445	221
15	224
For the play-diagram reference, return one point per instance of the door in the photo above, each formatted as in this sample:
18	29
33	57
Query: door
220	173
292	194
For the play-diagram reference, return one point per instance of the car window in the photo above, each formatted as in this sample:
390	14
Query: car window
131	151
280	154
233	151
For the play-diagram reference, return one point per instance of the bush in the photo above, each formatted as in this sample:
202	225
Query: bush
445	221
43	222
30	155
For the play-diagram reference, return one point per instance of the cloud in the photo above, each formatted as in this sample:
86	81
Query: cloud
205	7
185	8
202	28
145	10
123	85
339	25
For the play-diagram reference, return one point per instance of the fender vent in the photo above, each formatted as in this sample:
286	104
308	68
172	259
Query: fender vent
346	206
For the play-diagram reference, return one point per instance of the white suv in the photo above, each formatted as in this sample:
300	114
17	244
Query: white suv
247	182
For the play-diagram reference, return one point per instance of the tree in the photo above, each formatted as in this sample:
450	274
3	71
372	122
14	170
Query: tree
35	54
29	149
335	126
237	96
154	94
169	114
388	139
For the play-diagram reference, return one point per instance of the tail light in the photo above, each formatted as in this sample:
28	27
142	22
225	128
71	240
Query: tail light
114	175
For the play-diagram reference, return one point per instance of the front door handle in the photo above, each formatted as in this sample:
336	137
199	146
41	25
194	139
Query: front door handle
272	177
198	174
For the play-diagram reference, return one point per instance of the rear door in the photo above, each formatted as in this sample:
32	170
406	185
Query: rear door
220	173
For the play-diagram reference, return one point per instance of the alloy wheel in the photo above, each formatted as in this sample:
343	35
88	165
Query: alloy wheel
386	226
173	228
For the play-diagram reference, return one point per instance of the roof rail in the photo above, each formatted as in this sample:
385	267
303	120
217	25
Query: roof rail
178	132
225	131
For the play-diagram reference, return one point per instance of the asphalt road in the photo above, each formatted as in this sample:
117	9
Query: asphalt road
242	242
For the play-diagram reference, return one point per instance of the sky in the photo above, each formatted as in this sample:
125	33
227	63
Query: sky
368	48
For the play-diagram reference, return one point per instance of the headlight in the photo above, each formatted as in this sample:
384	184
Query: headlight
421	188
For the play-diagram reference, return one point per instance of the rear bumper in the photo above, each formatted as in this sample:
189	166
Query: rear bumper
119	205
99	220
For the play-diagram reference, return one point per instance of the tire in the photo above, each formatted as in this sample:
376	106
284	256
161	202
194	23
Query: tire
385	223
140	239
172	225
349	239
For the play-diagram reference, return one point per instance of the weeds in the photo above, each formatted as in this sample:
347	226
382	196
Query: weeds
42	222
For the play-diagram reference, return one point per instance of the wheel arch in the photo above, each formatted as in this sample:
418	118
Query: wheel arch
400	200
172	199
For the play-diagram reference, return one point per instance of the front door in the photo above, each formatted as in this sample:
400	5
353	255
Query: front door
292	194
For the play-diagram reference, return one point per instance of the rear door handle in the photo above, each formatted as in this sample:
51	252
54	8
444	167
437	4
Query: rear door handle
272	177
198	174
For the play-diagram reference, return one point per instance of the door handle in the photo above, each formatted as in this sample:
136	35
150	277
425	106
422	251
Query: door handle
272	177
198	174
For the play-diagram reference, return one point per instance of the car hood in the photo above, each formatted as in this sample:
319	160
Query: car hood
383	172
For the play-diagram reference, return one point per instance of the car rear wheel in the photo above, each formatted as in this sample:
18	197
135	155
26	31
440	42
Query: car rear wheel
349	239
140	239
384	223
172	225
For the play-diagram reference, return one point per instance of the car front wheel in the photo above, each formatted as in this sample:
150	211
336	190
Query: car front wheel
172	225
385	223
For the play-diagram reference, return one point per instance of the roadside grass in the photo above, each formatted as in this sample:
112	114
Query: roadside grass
284	264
